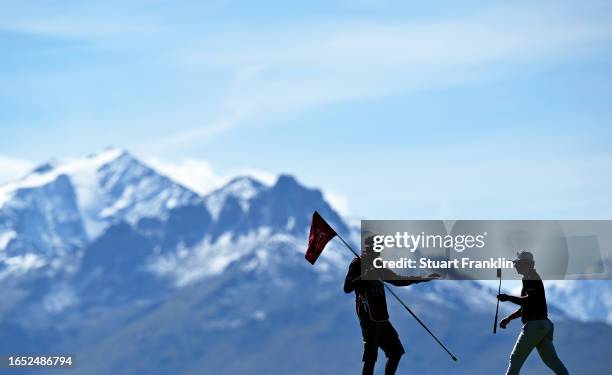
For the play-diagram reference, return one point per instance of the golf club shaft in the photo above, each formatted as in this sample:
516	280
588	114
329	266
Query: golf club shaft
419	320
497	308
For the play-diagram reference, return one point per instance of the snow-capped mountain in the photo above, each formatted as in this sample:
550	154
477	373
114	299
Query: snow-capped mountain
41	219
95	191
240	189
108	258
78	216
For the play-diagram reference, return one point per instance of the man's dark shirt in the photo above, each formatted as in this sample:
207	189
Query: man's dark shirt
370	299
535	308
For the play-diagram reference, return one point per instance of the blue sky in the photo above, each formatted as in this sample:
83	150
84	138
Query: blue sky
397	109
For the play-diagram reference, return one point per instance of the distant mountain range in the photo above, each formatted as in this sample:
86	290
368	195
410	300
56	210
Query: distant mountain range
134	273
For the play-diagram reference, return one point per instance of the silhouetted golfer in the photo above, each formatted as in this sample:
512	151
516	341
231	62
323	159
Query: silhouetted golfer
371	306
537	329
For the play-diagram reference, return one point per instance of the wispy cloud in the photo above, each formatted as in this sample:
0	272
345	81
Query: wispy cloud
257	73
116	19
196	174
279	71
200	176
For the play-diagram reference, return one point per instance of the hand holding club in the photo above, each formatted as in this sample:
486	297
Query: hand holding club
503	297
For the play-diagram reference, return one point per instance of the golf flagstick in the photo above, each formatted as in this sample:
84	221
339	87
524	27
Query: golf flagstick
499	275
402	303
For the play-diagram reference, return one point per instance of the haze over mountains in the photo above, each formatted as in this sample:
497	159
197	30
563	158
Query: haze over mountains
106	258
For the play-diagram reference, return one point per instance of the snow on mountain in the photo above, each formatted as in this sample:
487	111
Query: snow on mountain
41	216
126	225
252	251
109	186
19	265
158	264
116	186
243	189
62	207
6	237
249	217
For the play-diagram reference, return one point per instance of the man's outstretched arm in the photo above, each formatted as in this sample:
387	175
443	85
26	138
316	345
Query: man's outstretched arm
398	280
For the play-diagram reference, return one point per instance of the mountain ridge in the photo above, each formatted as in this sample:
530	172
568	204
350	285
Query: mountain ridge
182	288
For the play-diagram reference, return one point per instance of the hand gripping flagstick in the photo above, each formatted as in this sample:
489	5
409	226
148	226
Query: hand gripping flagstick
498	293
321	233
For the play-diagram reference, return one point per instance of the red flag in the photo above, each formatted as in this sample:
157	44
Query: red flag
320	234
